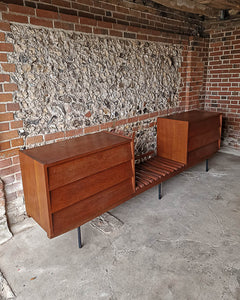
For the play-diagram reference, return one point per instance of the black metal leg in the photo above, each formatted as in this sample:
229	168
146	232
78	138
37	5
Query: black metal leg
160	191
207	165
79	237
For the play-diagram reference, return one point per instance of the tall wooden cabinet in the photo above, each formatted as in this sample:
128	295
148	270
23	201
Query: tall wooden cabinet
69	183
189	137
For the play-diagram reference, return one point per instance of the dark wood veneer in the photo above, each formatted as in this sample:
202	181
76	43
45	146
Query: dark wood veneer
69	183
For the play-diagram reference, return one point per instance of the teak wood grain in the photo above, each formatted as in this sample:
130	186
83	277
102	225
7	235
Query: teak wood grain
69	183
189	137
61	177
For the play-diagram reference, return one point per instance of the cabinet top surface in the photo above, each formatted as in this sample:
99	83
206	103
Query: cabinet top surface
76	147
193	116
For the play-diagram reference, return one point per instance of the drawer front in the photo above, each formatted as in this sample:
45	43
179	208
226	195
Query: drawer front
85	210
204	139
202	153
204	126
74	192
73	170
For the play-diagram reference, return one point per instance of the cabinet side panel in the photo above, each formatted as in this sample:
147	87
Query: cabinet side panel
29	186
220	131
172	139
133	163
43	197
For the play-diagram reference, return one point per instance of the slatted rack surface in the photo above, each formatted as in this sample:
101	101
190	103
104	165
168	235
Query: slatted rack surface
154	171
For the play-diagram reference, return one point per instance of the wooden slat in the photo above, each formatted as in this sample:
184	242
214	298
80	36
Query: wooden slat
151	168
173	162
148	174
168	165
163	166
142	180
139	174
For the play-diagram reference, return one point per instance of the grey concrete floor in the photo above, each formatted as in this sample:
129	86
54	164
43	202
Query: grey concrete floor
184	246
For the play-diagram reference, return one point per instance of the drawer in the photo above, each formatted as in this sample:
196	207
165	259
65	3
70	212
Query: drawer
203	139
76	169
202	153
85	210
88	186
204	126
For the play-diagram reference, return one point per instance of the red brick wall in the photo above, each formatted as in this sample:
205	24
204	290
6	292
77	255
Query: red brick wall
192	71
223	78
125	12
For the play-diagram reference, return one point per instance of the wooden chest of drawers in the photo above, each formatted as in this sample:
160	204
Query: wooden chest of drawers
69	183
189	137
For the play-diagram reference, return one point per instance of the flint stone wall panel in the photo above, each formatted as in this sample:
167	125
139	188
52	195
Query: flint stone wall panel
69	80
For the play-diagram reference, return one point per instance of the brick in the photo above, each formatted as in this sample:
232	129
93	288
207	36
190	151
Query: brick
54	136
100	31
4	127
68	11
61	3
46	14
18	176
104	24
82	28
87	21
80	7
6	47
15	160
2	36
142	37
115	33
5	26
74	132
121	122
21	9
14	18
91	129
2	108
9	179
34	139
108	6
107	125
3	57
88	2
17	142
69	18
84	14
10	87
40	22
5	163
13	106
7	97
129	35
9	153
9	67
65	26
4	146
3	7
97	11
47	7
16	124
8	135
6	117
119	27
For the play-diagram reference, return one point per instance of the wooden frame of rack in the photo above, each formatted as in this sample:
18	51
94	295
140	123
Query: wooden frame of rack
69	183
